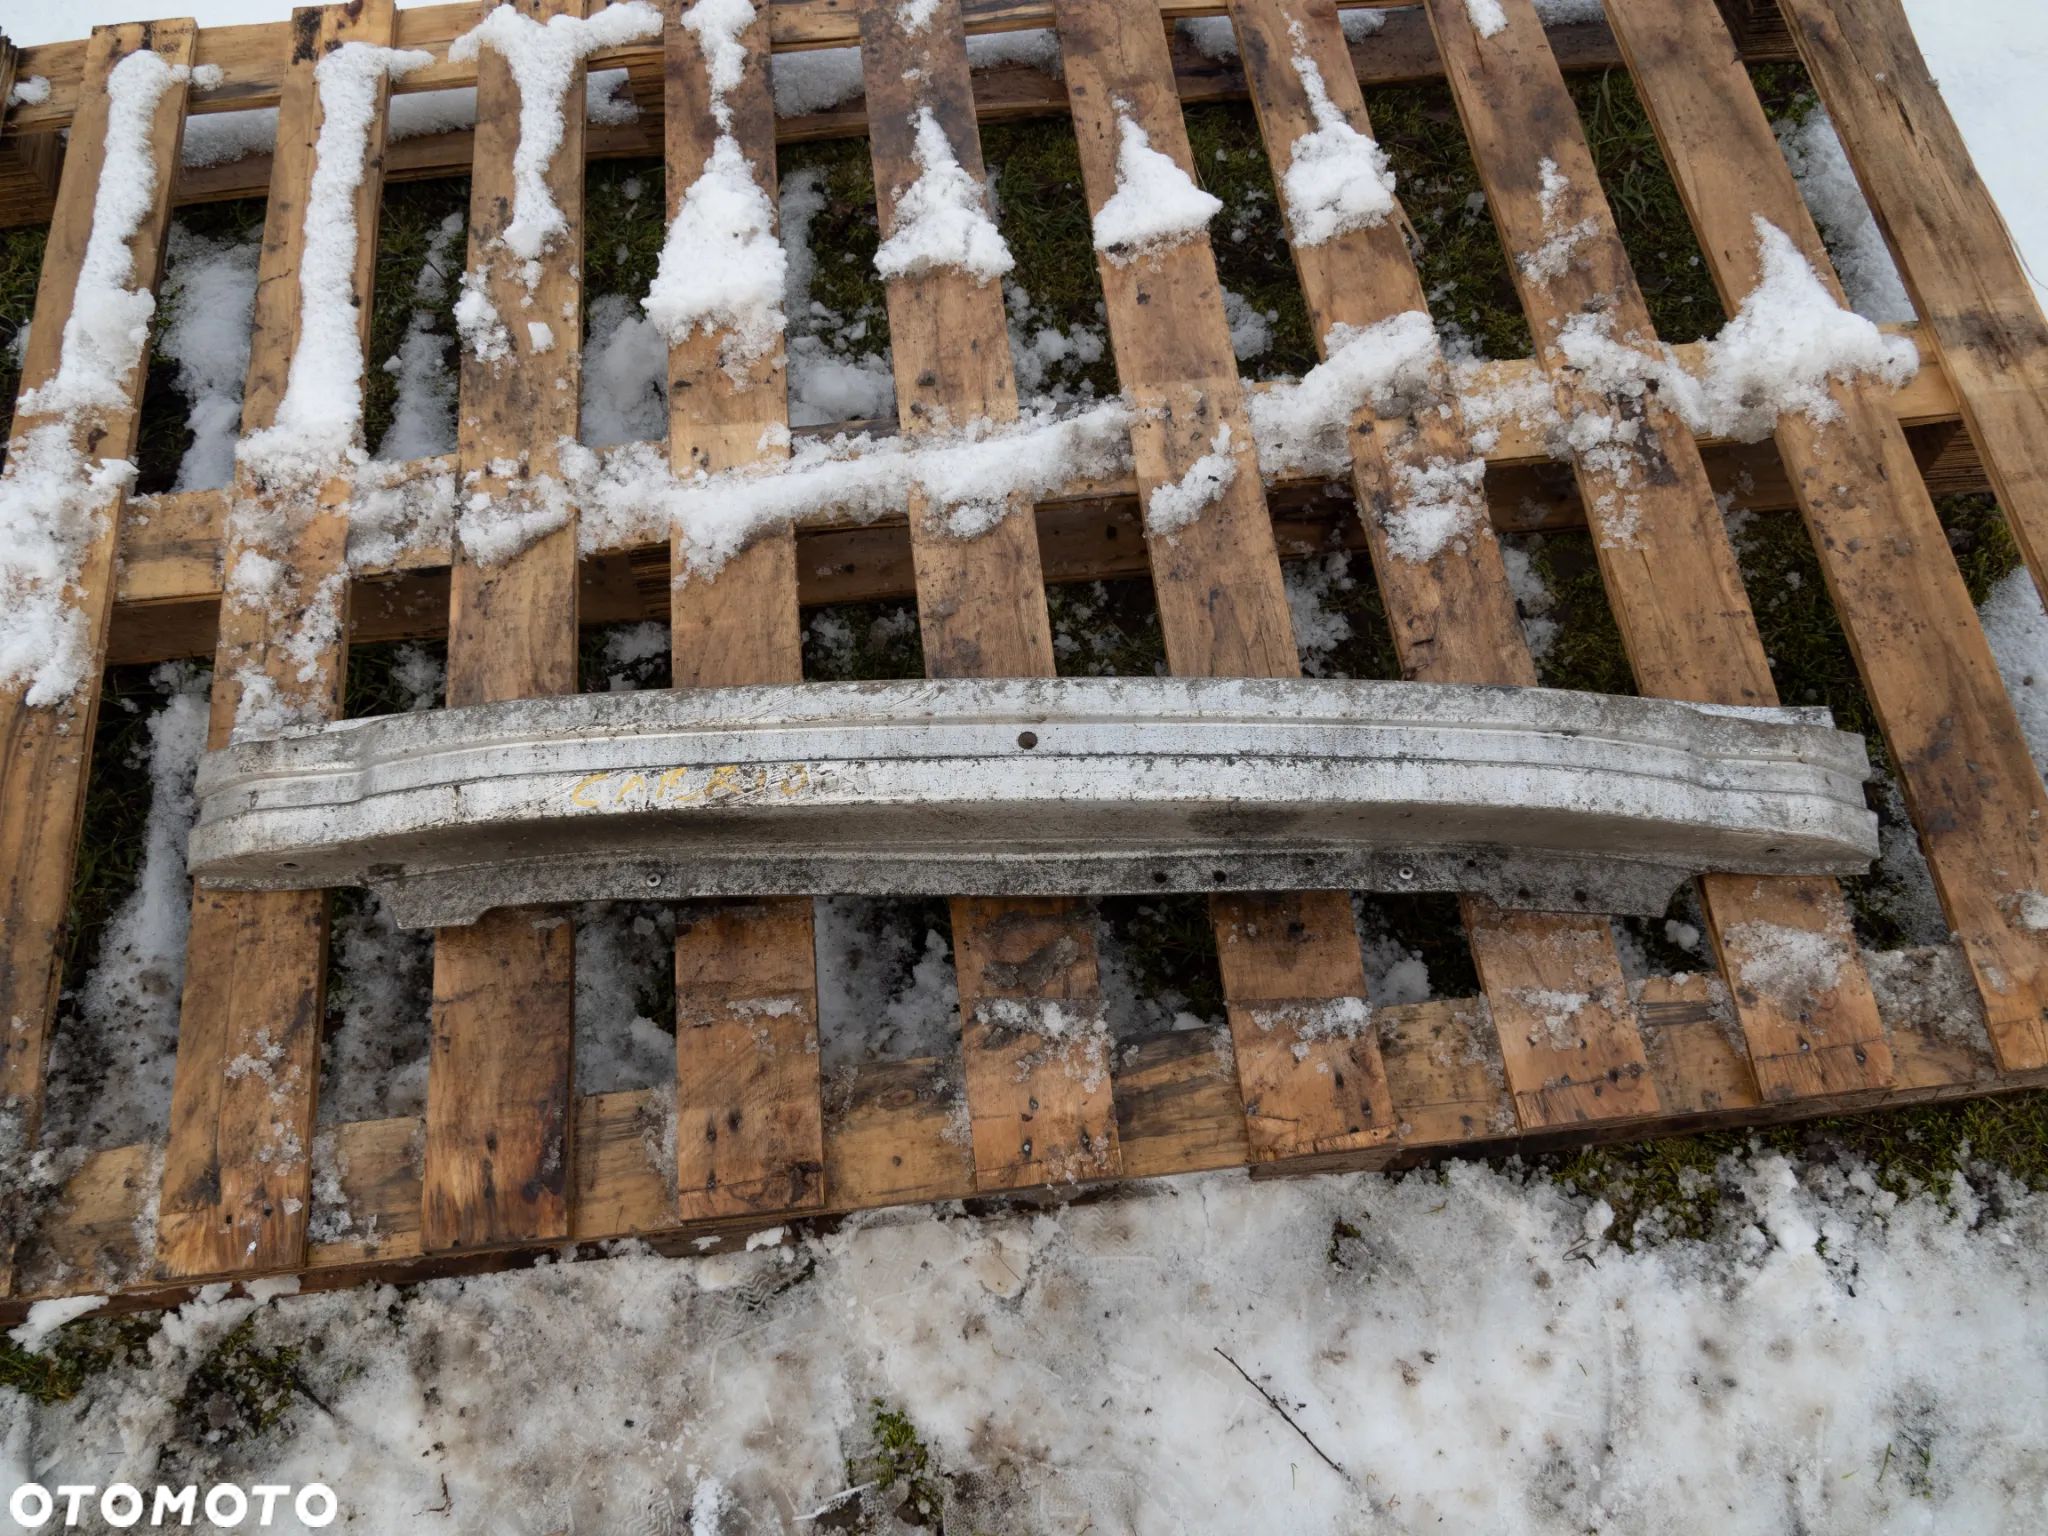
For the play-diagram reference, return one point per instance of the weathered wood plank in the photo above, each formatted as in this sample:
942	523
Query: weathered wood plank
1039	1104
1222	607
893	1131
499	1080
1452	612
1970	781
237	1174
44	749
1953	251
749	1121
1652	512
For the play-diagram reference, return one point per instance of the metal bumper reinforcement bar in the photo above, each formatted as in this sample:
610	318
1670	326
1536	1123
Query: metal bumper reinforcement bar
1534	797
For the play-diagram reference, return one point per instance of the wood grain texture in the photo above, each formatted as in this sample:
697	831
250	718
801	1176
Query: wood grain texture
1971	784
1953	251
1039	1106
892	1132
1453	614
749	1120
44	750
1652	511
499	1083
237	1171
1222	607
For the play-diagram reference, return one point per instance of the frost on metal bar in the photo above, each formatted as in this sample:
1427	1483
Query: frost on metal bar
1537	798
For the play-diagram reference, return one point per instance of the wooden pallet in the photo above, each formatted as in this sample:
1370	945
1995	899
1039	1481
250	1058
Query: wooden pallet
509	1159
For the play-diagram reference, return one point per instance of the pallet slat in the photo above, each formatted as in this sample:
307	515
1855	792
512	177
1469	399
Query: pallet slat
1310	1072
45	749
237	1175
1453	614
1810	1027
1038	1103
749	1120
500	1071
1953	250
1969	779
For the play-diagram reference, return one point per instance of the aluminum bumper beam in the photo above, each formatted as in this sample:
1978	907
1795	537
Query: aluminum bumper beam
1537	798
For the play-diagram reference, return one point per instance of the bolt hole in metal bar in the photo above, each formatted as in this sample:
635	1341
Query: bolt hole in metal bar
1539	798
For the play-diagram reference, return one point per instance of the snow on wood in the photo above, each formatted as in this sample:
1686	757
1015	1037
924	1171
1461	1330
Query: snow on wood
941	219
53	498
1172	507
1155	206
722	269
543	57
1786	344
1487	16
1337	179
1439	505
632	496
1304	427
321	414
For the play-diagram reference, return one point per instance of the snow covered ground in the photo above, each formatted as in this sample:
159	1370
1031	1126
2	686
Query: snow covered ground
1445	1351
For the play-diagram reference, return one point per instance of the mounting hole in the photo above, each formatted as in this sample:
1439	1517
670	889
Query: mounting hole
1027	739
1405	872
288	864
654	882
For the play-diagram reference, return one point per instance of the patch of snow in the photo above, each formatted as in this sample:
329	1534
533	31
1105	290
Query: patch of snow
1155	206
543	57
423	411
1251	328
886	987
1862	260
1486	16
217	138
722	268
477	321
210	295
1171	508
1778	355
1561	242
373	1060
1534	600
1038	47
30	92
633	496
494	524
1788	962
816	79
111	1055
2017	628
46	1317
940	218
625	375
1437	505
1337	178
1318	628
54	501
1304	428
321	413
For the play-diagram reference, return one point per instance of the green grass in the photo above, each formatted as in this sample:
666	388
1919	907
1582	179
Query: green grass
75	1354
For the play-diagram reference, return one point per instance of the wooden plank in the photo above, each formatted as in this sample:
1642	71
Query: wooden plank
1177	1107
749	1121
1953	251
1975	794
30	164
1222	607
1400	52
45	748
1453	614
500	1146
1039	1101
1811	1027
237	1175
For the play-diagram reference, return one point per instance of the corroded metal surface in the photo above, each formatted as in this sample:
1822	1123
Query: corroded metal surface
1534	797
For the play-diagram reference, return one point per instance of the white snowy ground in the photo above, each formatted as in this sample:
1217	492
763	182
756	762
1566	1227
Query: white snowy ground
1463	1349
